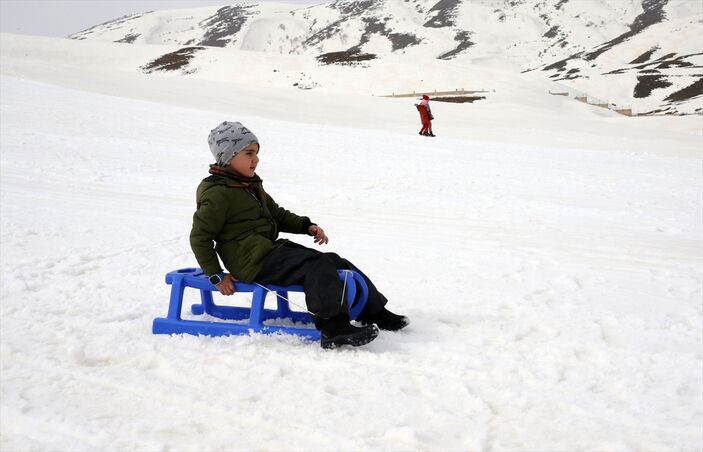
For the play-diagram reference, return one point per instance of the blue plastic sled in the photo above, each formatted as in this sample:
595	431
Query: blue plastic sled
356	293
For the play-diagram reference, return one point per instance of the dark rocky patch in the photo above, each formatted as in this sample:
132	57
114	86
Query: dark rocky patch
667	61
645	56
669	111
568	76
552	32
615	72
559	65
674	63
648	83
324	34
463	38
458	99
373	25
665	57
399	41
653	13
172	61
346	57
560	4
658	112
110	23
446	13
691	91
223	26
129	38
353	8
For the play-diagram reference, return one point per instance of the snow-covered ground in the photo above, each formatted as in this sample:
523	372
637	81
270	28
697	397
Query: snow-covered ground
548	253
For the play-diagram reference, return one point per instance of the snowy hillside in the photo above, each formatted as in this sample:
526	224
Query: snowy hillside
661	55
643	54
549	254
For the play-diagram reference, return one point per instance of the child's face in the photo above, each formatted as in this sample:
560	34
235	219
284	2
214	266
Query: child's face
244	163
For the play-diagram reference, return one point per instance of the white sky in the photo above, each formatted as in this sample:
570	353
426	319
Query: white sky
61	18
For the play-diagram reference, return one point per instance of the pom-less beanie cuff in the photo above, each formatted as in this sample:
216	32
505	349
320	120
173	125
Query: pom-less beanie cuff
228	139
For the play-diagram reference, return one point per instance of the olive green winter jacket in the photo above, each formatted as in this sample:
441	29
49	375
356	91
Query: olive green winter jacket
243	227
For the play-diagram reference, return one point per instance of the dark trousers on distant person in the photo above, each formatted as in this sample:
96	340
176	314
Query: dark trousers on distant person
294	264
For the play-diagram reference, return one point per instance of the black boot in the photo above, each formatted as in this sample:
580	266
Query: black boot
338	331
385	320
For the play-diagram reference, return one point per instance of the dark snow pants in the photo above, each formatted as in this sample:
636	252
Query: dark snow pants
317	273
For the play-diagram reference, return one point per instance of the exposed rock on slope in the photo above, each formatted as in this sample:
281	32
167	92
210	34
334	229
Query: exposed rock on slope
642	53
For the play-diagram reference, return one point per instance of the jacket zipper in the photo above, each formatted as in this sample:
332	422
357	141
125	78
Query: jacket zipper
261	212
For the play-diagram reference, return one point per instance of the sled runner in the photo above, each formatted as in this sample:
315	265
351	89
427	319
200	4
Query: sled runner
243	320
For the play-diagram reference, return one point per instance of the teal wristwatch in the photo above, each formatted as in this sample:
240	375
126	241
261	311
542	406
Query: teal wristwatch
216	278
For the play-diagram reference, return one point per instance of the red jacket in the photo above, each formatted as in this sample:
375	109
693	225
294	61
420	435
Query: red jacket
425	112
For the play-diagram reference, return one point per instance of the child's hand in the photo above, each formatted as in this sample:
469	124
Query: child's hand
319	234
226	286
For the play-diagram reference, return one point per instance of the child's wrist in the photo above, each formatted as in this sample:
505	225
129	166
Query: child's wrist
216	278
306	225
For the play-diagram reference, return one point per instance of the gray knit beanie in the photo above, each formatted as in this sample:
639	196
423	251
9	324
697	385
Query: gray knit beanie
227	139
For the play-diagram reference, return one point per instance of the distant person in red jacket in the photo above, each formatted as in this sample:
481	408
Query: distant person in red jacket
425	116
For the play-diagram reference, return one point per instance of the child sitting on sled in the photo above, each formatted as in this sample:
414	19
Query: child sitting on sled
243	221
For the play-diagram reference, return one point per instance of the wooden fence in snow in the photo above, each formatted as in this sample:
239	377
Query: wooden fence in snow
435	93
563	91
590	100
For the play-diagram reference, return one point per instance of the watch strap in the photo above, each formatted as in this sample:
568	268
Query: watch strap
216	278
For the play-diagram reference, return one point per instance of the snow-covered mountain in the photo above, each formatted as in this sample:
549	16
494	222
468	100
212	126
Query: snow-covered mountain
641	53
